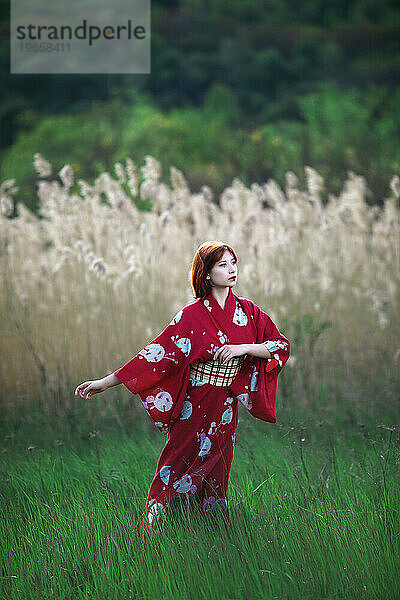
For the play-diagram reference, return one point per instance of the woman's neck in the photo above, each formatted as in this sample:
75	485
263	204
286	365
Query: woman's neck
221	295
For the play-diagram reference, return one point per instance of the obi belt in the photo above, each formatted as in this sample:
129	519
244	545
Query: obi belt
216	373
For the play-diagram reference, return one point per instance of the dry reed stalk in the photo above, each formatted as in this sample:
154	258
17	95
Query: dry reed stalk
101	277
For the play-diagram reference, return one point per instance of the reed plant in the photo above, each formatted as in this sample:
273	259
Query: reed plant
92	278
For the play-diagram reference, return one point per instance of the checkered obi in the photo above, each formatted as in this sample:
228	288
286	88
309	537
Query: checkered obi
216	373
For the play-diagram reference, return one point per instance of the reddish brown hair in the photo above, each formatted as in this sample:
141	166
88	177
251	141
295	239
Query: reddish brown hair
205	258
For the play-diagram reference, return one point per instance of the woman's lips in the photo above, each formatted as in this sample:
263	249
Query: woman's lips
234	277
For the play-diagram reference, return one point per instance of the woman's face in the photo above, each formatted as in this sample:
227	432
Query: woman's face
224	270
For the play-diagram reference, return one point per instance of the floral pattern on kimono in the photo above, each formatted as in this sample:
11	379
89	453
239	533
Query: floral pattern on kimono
200	419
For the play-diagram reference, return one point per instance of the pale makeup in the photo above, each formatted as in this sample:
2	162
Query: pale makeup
223	269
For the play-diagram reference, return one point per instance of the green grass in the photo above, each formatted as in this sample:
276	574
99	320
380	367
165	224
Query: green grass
311	519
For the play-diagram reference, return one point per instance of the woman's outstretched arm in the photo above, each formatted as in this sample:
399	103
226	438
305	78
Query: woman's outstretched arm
88	388
111	380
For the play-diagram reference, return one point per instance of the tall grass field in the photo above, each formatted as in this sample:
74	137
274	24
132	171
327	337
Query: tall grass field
97	274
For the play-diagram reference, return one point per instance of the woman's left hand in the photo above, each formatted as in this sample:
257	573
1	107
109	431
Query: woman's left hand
228	351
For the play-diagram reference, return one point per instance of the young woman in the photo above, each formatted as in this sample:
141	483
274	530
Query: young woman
216	352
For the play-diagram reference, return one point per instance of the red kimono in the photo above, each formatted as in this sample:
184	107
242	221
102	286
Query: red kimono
200	419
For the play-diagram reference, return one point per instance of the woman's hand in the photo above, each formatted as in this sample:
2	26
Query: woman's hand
88	388
228	351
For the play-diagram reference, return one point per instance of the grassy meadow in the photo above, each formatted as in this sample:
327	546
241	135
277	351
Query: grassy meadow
313	509
97	274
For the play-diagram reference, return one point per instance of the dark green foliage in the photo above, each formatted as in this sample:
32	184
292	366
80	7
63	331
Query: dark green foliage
248	90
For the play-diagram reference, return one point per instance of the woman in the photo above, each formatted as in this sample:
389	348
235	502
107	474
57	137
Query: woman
217	351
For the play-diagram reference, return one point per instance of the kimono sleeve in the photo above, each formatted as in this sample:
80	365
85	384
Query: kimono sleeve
261	374
264	378
159	373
